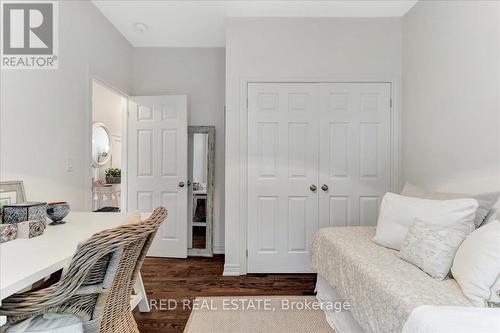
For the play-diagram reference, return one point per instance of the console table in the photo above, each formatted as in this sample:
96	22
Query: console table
107	195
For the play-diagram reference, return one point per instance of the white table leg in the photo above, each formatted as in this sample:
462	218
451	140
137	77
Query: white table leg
3	319
139	290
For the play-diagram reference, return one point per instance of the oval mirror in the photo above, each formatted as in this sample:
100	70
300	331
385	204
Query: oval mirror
101	144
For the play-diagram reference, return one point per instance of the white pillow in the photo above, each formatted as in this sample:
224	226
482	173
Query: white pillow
492	216
398	212
476	266
486	201
452	319
431	247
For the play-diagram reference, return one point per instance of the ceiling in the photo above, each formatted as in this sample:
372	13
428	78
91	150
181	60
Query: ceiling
170	23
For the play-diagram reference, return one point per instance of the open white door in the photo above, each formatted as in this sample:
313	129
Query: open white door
157	167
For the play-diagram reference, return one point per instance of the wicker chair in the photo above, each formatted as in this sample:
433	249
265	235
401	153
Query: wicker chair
99	281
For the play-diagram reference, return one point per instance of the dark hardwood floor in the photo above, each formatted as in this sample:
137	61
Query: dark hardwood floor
199	237
179	279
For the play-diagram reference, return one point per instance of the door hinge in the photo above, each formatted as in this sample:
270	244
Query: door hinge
390	102
246	253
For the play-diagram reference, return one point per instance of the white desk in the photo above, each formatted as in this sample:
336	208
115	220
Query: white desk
26	261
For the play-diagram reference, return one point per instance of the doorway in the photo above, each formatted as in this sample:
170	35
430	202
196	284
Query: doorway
109	108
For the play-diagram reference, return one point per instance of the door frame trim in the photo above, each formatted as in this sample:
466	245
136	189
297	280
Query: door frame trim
89	168
241	177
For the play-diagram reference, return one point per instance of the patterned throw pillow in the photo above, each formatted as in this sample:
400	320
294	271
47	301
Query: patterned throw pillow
431	247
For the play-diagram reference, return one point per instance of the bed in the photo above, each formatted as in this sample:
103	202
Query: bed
382	289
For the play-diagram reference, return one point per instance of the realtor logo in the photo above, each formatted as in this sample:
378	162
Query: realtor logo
29	35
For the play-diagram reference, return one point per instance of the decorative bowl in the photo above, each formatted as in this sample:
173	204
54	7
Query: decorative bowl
57	211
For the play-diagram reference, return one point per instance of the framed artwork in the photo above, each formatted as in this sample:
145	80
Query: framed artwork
7	198
11	192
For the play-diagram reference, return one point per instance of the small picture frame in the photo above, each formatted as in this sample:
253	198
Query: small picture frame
11	192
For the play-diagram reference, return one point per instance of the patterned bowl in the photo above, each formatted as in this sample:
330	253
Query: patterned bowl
57	211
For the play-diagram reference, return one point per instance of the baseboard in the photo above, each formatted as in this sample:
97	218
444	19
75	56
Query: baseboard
231	270
218	249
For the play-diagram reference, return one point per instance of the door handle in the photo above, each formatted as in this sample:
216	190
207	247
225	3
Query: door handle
313	188
181	184
324	187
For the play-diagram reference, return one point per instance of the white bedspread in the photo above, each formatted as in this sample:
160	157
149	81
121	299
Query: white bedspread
341	321
453	319
382	289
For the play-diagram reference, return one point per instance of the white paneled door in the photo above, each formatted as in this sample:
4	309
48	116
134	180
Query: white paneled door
318	156
354	152
283	135
157	167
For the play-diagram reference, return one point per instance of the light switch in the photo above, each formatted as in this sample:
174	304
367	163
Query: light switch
69	165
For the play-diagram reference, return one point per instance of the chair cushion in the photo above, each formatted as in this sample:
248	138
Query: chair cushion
133	218
53	324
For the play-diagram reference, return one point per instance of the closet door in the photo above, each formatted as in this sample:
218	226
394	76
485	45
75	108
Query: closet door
282	175
354	167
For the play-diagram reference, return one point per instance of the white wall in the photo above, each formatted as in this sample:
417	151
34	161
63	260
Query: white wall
198	73
451	95
295	49
45	114
108	108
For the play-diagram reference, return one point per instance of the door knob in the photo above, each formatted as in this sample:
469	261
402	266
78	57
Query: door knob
324	187
313	188
181	184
